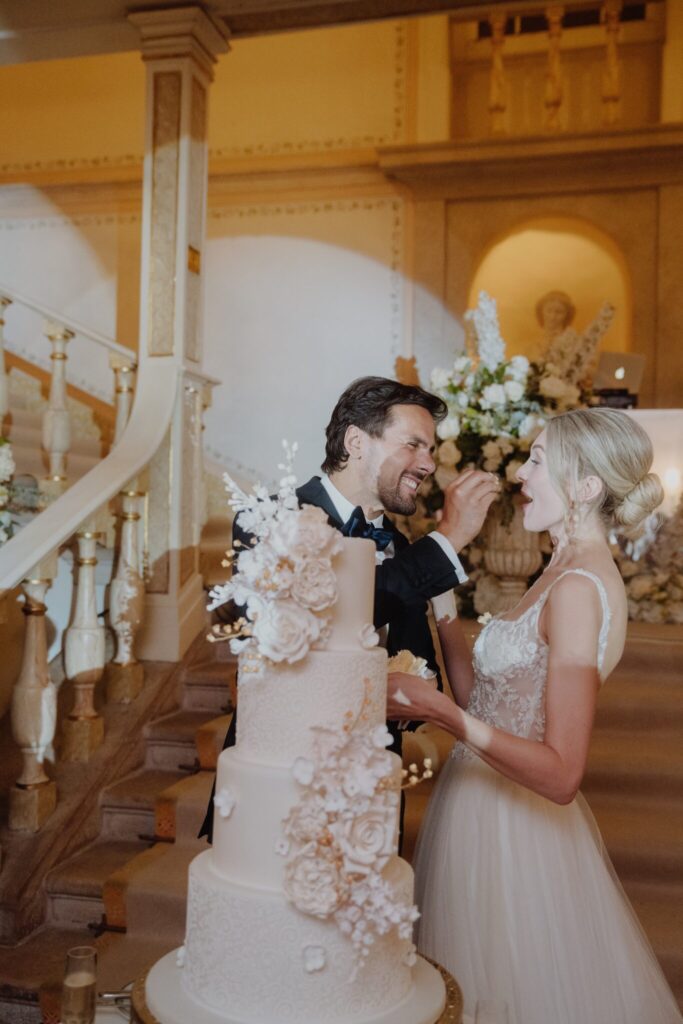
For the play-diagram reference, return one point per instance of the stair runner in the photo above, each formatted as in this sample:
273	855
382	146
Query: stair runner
135	873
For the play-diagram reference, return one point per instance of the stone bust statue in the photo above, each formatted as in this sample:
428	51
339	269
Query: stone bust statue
554	312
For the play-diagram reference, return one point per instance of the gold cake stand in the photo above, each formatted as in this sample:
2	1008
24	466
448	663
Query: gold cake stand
452	1014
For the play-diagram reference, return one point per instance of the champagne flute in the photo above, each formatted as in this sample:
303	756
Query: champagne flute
78	992
491	1011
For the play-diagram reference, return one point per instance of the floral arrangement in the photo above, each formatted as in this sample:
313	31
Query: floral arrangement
497	406
343	830
285	581
652	569
7	468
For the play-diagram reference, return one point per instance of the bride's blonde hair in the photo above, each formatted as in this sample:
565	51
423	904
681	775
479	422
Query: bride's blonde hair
613	447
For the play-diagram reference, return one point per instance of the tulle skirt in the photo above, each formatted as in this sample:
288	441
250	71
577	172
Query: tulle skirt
520	902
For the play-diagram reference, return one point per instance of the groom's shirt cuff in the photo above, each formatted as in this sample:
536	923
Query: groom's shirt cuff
449	550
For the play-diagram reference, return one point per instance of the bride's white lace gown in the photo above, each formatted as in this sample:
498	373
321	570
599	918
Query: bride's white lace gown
518	897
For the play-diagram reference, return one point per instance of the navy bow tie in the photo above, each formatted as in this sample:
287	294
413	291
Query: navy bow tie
358	526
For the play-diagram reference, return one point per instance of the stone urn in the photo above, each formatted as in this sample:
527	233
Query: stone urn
511	554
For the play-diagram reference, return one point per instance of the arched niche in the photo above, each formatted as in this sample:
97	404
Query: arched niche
544	254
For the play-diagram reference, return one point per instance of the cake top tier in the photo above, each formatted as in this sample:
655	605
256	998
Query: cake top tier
299	583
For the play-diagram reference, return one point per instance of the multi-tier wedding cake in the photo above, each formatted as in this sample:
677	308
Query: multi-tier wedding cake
302	912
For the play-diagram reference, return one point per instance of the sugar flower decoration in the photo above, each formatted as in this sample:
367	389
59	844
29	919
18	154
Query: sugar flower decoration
314	958
224	802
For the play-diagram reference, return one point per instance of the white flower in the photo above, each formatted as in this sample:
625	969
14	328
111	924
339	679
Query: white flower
284	631
531	426
439	379
485	618
380	737
368	636
314	958
224	802
367	840
462	364
304	533
489	341
511	470
314	584
449	454
180	956
462	400
313	883
282	847
518	368
513	390
303	771
448	428
410	956
493	394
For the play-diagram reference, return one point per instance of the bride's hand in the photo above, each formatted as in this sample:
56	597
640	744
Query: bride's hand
409	697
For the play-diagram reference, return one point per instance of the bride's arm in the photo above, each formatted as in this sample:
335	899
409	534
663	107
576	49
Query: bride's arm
457	656
554	767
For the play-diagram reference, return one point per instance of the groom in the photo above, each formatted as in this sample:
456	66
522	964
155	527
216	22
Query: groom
380	444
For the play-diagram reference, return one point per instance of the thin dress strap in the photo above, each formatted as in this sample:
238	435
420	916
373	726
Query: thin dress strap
606	612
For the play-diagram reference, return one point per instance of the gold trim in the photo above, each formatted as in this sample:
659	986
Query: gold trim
123	389
86	561
194	260
36	608
57	355
28	786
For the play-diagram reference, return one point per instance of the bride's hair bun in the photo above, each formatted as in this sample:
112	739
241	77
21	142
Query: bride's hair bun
639	503
612	446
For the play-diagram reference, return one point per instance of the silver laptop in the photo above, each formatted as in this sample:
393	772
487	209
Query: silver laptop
623	370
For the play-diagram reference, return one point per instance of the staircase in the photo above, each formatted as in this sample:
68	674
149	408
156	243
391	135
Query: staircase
126	889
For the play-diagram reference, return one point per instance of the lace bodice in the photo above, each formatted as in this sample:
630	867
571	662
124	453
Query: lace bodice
511	666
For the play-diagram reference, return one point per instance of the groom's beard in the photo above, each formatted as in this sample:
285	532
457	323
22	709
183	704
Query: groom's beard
397	498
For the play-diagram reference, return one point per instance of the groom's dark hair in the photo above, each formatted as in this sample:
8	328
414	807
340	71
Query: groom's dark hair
367	403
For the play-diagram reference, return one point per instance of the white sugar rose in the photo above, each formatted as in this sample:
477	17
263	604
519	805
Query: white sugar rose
314	584
493	394
313	883
368	636
367	841
306	820
448	428
314	958
224	802
304	533
284	631
513	390
449	454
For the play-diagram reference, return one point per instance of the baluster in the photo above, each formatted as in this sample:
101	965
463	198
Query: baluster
124	387
84	657
554	90
497	81
33	797
56	421
611	76
125	675
4	382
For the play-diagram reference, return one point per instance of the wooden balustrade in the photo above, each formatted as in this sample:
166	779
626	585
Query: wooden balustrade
56	420
554	86
4	382
34	710
611	77
84	657
497	80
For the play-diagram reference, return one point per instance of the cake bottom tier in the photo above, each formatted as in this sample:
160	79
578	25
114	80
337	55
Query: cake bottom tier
169	1003
247	950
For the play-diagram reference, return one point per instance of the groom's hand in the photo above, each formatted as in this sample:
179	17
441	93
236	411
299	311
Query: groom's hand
466	502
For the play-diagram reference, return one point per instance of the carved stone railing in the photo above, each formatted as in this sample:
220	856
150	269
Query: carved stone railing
81	513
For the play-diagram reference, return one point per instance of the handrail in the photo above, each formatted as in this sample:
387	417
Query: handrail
158	383
72	325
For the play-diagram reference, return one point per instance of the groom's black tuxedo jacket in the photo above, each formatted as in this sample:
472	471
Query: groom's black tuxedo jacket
403	586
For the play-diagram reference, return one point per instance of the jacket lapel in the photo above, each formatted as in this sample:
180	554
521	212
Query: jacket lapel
313	493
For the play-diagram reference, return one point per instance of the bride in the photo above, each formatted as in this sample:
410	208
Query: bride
518	897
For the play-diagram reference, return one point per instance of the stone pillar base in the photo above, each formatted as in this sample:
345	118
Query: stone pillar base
124	682
82	737
30	808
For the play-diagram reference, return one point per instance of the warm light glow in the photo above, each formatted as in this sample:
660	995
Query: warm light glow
671	482
665	427
620	373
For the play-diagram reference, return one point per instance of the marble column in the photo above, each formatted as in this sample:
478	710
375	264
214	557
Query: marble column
179	47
